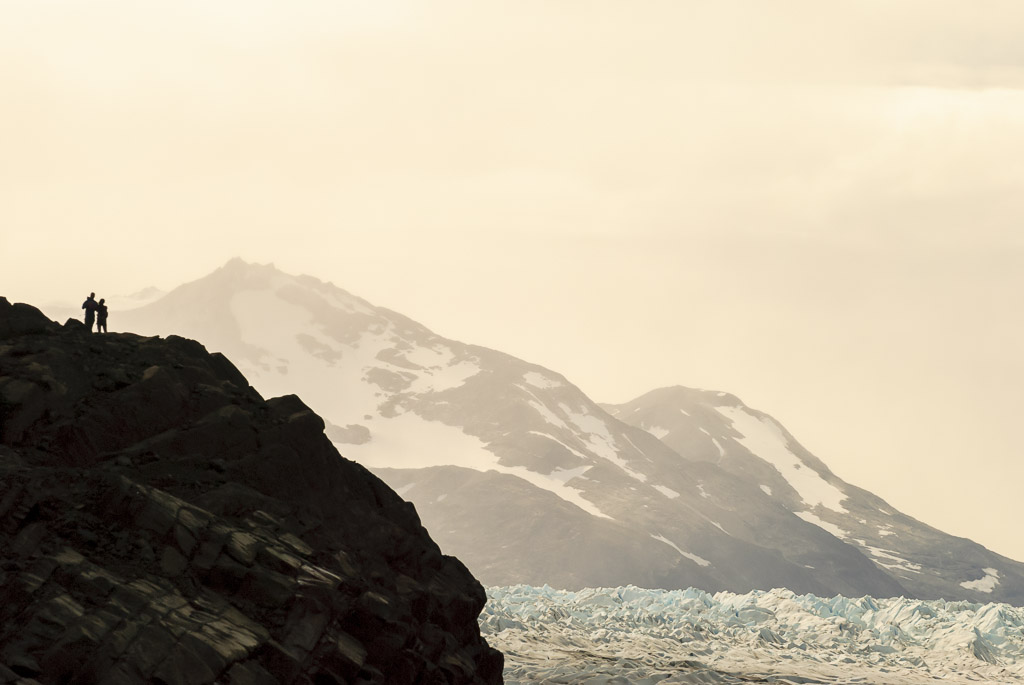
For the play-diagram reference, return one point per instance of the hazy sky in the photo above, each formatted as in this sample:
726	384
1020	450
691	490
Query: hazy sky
816	205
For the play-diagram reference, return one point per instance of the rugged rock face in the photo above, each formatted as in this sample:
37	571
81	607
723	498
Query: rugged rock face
161	523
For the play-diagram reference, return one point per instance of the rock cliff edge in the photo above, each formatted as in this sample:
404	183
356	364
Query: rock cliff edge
161	523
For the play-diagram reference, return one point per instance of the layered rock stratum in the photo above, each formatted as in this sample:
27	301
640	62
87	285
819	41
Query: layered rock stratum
160	522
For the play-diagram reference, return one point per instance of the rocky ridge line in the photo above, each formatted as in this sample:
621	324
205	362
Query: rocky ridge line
161	523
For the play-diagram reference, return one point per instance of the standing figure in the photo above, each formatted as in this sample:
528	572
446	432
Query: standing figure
90	306
101	317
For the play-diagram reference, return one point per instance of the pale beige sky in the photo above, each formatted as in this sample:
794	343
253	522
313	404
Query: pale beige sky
815	205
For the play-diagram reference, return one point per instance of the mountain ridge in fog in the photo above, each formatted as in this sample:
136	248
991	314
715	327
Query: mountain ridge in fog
521	475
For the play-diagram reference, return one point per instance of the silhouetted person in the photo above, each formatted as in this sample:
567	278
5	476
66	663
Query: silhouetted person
101	317
90	306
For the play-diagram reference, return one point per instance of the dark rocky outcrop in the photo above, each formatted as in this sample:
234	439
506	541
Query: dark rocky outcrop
161	523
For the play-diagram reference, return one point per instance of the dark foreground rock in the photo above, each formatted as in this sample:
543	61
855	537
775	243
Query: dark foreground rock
161	523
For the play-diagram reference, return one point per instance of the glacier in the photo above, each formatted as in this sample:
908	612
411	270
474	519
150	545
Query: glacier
634	635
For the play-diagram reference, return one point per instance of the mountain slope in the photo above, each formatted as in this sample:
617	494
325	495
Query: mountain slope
717	428
396	396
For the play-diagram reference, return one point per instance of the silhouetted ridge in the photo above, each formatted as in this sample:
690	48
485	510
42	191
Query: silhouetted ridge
161	522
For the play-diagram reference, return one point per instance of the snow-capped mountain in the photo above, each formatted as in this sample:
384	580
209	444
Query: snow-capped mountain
527	480
716	427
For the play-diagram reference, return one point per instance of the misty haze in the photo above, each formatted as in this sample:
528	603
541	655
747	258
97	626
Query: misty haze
354	342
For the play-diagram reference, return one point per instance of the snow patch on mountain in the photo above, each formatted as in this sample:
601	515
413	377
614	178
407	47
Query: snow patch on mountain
433	357
556	486
444	378
986	583
888	559
377	364
764	439
668	492
767	490
440	371
410	441
268	322
566	475
568	448
599	439
700	561
824	525
547	414
539	380
656	431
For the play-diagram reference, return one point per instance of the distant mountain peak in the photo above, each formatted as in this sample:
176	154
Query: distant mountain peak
237	268
684	394
529	481
239	263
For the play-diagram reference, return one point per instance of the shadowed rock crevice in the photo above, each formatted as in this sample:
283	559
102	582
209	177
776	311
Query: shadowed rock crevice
161	523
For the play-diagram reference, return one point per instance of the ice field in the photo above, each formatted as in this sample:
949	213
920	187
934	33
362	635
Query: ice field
632	635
